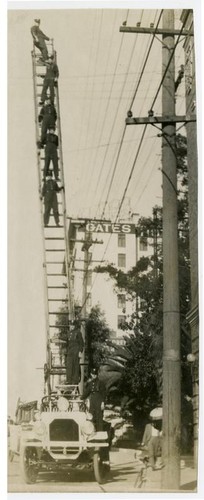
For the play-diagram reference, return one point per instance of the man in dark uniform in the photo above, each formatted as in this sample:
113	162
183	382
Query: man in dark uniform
49	192
50	79
75	345
51	153
47	117
96	395
39	39
96	401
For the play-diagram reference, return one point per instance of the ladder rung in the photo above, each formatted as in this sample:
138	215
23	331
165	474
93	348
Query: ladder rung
58	326
56	287
54	250
58	371
52	227
57	300
39	95
58	312
49	238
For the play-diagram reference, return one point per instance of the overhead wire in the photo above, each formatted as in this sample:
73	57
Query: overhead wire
132	101
124	166
107	104
92	89
115	116
141	140
143	133
154	100
170	59
118	57
86	86
111	91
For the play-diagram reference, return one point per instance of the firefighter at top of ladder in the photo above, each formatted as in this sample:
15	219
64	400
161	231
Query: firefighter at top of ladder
39	40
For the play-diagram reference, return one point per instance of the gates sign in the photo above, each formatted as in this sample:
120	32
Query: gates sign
109	227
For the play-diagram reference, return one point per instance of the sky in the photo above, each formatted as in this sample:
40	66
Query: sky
99	73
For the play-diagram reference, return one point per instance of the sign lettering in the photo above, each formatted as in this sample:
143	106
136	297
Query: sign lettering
108	227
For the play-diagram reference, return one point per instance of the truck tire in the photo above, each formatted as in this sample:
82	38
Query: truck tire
100	469
28	464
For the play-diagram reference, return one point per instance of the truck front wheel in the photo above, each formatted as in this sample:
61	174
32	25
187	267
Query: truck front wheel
29	464
100	469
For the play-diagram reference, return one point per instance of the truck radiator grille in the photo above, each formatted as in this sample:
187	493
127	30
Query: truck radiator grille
64	430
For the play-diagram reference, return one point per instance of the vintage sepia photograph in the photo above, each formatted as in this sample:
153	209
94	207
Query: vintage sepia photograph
103	302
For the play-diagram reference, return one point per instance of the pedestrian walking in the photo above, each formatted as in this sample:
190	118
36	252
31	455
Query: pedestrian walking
49	192
47	118
39	39
152	440
51	153
50	80
75	345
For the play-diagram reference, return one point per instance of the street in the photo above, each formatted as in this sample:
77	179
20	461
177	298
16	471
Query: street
121	478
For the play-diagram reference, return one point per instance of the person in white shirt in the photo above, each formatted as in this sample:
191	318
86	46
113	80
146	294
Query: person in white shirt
152	440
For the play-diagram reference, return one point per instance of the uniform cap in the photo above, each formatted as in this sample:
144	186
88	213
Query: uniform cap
37	20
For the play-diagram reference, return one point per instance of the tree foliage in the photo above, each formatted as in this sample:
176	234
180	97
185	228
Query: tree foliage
98	340
141	376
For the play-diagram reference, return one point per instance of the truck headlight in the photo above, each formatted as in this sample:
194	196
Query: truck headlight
39	428
62	404
88	428
89	416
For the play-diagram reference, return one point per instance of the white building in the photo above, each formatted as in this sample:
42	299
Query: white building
106	243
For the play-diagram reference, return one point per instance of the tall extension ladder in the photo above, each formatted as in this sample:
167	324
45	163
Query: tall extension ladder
56	265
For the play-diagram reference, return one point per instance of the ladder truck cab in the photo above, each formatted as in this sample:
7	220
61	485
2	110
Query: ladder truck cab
62	437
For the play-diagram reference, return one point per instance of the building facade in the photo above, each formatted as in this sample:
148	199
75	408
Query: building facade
191	130
100	243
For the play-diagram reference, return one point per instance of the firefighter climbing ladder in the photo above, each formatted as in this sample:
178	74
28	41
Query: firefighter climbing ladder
56	265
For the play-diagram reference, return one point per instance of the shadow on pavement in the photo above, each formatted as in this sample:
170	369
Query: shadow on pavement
192	486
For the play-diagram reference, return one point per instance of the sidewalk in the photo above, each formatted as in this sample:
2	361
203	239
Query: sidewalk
121	457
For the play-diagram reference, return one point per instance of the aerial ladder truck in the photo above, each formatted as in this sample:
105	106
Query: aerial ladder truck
56	260
60	435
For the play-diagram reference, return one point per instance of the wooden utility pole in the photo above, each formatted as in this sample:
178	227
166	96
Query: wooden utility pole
171	315
86	246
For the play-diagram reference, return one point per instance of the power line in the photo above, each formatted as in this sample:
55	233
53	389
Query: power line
124	130
154	100
90	109
122	90
170	59
108	101
145	62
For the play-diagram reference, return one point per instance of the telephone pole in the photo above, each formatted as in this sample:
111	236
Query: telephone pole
171	314
87	244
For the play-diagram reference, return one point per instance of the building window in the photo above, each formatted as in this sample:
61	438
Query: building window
89	278
121	301
143	244
121	240
121	260
121	320
89	300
